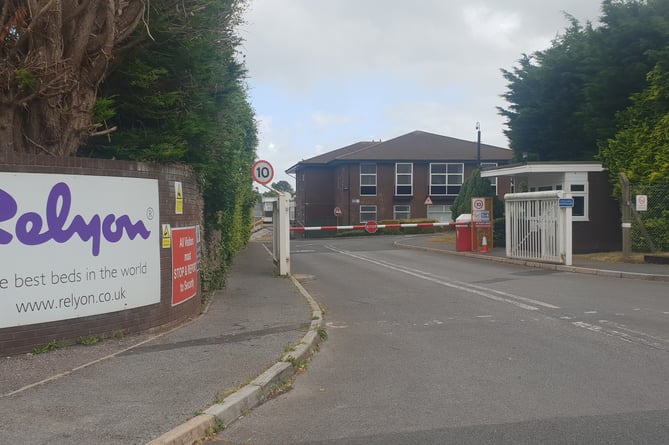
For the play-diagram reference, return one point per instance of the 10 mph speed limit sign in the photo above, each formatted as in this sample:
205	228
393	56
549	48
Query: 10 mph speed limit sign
262	172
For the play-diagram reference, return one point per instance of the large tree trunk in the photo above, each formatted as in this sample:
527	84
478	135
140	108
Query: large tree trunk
53	56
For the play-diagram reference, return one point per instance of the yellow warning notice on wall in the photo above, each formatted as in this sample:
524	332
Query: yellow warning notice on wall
167	238
179	198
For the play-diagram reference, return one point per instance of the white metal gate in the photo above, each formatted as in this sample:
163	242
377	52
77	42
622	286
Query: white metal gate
538	227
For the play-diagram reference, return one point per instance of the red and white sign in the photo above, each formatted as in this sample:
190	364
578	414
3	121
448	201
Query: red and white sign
478	204
184	264
262	172
641	203
371	227
337	211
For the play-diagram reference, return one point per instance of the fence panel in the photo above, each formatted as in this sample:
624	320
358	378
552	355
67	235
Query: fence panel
650	228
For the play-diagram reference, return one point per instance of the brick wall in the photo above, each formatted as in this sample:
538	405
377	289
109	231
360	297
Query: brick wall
160	316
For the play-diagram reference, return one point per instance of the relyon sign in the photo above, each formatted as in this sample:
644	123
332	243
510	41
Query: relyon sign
74	246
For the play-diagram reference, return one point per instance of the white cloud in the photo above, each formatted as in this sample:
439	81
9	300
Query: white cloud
327	74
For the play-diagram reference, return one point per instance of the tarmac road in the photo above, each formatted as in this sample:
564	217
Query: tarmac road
426	348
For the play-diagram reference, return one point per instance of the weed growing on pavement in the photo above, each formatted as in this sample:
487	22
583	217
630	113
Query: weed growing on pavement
220	398
288	348
89	340
315	317
323	334
299	365
119	334
51	346
282	387
211	431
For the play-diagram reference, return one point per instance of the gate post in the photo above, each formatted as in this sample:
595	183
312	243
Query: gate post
281	238
626	215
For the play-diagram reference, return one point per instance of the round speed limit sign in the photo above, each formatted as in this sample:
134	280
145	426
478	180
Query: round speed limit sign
262	172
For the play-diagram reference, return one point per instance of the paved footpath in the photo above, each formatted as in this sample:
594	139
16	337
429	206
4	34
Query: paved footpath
138	395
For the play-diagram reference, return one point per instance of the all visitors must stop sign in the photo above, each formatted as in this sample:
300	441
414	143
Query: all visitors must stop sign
371	227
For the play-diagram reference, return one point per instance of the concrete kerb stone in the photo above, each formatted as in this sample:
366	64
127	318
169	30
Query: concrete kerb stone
256	392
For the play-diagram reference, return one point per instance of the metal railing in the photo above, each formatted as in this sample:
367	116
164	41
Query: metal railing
537	228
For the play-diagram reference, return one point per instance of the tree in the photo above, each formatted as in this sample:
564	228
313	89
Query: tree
563	100
545	92
475	187
53	56
640	148
180	96
281	186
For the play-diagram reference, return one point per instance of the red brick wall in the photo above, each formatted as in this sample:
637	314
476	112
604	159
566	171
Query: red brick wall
160	316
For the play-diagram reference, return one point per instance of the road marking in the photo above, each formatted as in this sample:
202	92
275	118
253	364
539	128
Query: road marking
630	336
487	293
531	301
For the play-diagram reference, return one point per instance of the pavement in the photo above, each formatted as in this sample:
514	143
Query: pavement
180	386
174	387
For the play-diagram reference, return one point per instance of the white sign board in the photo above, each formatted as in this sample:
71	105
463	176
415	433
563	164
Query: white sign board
74	246
641	203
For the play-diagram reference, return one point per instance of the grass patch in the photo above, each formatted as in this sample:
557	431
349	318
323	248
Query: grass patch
446	237
611	257
49	347
89	340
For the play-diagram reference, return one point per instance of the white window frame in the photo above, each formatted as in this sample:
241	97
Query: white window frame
368	175
577	195
403	175
580	195
447	175
367	211
401	209
434	210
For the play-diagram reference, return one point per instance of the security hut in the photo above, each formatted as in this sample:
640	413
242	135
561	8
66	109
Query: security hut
596	217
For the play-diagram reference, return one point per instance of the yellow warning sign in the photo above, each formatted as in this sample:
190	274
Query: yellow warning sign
179	198
167	238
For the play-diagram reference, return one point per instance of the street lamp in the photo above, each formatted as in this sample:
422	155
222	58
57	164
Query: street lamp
478	145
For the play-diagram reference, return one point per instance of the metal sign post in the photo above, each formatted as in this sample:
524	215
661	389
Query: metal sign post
263	173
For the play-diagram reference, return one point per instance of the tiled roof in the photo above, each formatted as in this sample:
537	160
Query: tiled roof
414	146
330	156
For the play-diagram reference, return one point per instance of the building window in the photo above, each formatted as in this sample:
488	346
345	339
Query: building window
446	179
442	213
401	212
493	180
579	192
580	210
367	213
404	179
368	179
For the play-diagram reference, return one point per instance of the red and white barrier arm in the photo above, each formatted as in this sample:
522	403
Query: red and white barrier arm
362	226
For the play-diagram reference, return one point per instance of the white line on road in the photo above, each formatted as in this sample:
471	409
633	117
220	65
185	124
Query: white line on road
478	290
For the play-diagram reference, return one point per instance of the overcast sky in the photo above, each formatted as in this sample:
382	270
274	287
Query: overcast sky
326	74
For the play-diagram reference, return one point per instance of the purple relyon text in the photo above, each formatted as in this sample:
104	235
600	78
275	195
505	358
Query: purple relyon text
29	226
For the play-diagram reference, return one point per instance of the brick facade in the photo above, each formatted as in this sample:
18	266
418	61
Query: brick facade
14	340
